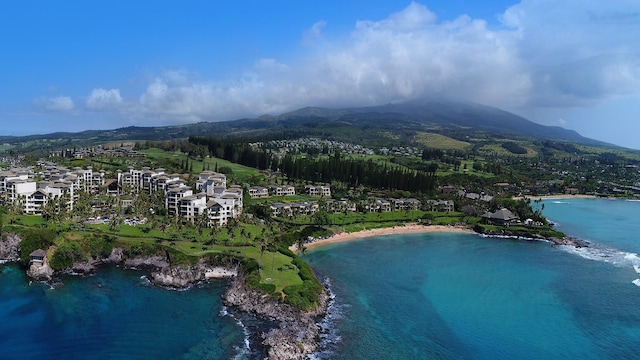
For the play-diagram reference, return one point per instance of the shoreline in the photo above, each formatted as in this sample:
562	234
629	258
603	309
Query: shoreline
558	196
407	229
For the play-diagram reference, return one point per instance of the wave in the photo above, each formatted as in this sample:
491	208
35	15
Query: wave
561	202
330	338
244	351
602	253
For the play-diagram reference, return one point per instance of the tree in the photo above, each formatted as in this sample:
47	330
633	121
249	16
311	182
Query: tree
202	221
300	245
263	244
321	218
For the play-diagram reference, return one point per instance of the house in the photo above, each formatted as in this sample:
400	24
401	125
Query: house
500	217
282	190
441	205
405	204
38	256
258	192
280	209
322	190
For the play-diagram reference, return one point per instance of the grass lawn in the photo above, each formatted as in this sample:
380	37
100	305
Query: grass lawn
241	172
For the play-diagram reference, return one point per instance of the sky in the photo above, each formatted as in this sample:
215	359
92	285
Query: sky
79	65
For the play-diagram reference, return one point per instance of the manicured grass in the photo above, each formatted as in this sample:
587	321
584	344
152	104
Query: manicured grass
29	220
241	172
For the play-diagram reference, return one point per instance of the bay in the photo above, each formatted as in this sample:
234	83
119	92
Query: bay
461	296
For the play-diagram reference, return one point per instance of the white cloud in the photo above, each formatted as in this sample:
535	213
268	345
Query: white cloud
314	34
547	53
102	98
58	103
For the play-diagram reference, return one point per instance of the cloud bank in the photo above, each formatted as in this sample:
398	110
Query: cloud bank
543	54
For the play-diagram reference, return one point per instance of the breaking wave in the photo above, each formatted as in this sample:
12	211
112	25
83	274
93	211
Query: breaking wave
242	352
330	338
602	253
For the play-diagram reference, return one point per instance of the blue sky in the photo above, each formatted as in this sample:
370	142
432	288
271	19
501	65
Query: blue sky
78	65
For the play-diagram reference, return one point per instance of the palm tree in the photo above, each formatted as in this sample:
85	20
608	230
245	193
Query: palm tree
300	245
263	244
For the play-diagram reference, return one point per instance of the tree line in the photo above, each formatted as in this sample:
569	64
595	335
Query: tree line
334	168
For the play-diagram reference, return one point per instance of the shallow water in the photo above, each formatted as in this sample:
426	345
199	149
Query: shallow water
459	296
420	296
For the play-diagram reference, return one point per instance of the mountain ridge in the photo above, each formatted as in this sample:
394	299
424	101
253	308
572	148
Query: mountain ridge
451	118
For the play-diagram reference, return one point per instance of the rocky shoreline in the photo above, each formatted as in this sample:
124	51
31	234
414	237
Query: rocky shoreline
295	337
298	333
565	240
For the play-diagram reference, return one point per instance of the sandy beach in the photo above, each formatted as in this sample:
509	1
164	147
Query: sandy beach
558	196
407	229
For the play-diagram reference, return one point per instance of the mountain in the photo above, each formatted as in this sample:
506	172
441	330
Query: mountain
395	123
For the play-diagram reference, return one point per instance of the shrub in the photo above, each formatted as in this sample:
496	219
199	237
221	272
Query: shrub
66	255
35	239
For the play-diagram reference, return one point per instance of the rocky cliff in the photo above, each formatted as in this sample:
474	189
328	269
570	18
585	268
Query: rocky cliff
10	247
297	334
182	276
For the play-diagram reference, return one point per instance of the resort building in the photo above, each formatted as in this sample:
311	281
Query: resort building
282	190
500	217
441	205
322	190
258	192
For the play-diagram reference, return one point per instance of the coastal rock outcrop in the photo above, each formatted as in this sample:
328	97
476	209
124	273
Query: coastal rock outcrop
183	276
40	271
297	334
155	261
10	247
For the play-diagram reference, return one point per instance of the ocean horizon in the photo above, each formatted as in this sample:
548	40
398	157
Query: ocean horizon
413	296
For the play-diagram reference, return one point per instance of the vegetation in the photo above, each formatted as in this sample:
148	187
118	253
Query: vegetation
362	156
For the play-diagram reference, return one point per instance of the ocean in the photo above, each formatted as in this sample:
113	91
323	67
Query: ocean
418	296
116	314
462	296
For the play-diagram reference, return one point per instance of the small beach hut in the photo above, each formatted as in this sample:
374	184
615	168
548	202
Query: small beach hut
38	255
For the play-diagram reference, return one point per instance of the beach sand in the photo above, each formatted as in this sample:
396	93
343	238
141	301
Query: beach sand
407	229
559	196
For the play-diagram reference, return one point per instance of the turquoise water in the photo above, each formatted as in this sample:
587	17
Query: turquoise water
115	314
419	296
460	296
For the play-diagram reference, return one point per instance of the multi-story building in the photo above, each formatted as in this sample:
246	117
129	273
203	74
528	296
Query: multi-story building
282	190
322	190
173	195
258	192
189	207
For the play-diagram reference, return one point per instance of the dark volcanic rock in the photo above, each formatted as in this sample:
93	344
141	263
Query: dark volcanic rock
10	247
297	334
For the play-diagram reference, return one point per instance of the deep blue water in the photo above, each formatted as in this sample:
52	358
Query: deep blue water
420	296
113	315
459	296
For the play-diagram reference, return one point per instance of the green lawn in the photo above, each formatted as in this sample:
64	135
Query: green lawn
241	172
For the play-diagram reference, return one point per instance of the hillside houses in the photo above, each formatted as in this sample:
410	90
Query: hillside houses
259	192
204	198
19	188
320	190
